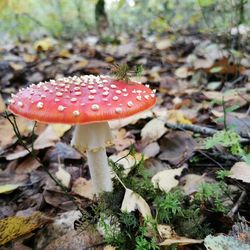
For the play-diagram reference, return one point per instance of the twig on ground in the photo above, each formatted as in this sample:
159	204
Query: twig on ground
201	130
237	204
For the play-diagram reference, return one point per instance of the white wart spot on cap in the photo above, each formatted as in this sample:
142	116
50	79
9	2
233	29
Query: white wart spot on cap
115	98
76	113
20	104
118	110
60	108
73	99
40	105
130	104
59	93
95	107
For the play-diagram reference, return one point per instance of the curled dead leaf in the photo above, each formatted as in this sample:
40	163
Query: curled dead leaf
133	201
166	179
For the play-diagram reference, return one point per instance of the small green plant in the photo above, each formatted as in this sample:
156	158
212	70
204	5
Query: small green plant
211	195
124	72
169	206
229	139
145	239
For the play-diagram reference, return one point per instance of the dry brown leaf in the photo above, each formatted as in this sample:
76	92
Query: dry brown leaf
192	182
25	126
83	187
27	166
153	130
240	171
75	240
166	180
133	201
50	136
235	96
122	139
2	105
176	147
182	72
17	66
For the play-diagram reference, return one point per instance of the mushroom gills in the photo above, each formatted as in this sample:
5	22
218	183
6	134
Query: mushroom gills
93	139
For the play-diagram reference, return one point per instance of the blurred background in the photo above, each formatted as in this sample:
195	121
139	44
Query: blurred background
65	19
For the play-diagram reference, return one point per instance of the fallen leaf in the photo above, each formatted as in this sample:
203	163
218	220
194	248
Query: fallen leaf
240	171
181	241
176	147
126	160
122	139
19	152
50	136
25	127
133	201
17	66
83	187
163	44
27	165
151	150
170	237
7	188
192	182
182	72
2	104
75	240
44	44
60	129
16	226
176	116
153	130
63	176
109	247
116	124
235	96
166	180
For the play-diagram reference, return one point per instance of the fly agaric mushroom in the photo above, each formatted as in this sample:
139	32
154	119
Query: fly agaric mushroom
89	102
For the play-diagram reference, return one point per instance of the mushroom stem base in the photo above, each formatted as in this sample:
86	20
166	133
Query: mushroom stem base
99	171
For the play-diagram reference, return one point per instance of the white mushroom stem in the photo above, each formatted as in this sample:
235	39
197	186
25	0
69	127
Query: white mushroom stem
93	139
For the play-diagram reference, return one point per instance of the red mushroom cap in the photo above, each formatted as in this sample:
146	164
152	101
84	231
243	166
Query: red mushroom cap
81	100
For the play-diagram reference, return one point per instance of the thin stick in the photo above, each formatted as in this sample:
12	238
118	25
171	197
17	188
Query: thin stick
237	204
201	130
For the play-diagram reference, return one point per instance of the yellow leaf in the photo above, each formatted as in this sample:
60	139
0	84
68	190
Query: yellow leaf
177	117
16	66
44	44
60	129
8	188
16	226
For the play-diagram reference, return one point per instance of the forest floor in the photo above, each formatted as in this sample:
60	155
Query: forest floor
189	163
